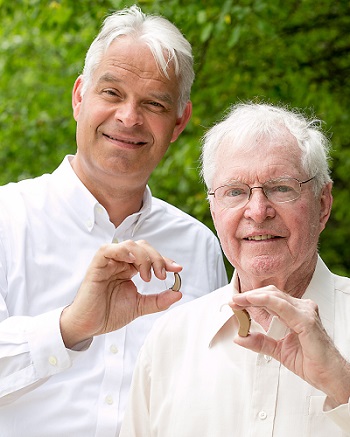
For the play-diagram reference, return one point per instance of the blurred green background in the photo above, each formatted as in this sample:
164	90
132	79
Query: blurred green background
282	51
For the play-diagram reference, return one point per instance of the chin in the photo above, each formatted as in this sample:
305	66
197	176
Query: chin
263	266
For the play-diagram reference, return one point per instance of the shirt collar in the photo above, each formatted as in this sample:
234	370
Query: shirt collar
88	210
320	290
222	312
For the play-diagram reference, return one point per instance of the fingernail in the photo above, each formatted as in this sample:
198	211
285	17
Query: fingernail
132	256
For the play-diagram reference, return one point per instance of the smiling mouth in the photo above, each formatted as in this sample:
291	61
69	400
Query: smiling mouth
262	237
133	143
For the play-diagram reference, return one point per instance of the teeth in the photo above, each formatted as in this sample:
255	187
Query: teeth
125	141
261	237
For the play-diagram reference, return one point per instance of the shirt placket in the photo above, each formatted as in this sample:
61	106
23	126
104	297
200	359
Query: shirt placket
264	397
110	388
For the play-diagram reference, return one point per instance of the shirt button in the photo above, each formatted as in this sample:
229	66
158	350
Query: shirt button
115	240
109	400
99	209
262	415
53	360
113	348
267	358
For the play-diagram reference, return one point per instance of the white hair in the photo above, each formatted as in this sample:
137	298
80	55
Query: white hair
167	44
256	120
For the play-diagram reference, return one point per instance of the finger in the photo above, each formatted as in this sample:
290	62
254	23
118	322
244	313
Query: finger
298	314
117	252
141	255
259	343
244	299
154	303
159	263
138	253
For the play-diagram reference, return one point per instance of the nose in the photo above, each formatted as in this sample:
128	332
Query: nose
258	207
128	113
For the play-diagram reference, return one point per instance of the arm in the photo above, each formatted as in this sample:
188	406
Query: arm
34	348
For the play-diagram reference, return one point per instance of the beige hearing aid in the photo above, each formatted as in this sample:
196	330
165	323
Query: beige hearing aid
244	322
177	282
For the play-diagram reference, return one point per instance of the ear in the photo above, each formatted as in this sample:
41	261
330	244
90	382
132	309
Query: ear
77	96
182	121
326	200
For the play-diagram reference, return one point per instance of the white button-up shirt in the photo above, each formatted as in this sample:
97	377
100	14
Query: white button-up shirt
50	228
192	380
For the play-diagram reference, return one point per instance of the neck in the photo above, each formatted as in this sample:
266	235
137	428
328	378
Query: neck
294	284
120	206
119	196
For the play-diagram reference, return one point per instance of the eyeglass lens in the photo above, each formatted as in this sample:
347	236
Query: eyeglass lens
279	191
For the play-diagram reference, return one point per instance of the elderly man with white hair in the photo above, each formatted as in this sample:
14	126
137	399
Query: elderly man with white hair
268	354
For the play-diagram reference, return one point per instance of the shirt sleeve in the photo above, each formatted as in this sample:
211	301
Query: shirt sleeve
31	350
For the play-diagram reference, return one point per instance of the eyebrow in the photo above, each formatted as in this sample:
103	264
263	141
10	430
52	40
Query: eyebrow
163	97
108	77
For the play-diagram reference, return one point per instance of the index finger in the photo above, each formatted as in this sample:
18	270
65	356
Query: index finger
143	257
292	311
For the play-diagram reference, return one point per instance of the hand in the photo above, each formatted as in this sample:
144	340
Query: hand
306	350
108	299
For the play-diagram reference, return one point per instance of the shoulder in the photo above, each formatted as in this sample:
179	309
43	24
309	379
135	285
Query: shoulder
342	284
15	194
177	216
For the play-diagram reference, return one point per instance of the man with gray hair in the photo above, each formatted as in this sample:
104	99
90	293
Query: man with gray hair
268	354
71	242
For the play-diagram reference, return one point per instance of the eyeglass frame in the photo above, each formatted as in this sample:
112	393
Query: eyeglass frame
212	192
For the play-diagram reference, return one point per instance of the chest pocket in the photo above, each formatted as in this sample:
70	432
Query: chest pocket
318	424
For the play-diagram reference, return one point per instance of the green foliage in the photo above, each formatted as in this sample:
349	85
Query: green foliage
292	52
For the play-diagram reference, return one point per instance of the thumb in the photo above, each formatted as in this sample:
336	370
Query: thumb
154	303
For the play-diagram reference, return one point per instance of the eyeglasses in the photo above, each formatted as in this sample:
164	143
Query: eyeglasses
237	194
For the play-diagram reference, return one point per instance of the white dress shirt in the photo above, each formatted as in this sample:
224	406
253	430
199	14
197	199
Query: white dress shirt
191	380
50	228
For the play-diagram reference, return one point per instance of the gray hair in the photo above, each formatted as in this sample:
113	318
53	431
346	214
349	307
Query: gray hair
167	44
246	121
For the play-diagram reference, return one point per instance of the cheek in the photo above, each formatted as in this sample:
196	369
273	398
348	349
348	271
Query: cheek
226	226
162	132
304	230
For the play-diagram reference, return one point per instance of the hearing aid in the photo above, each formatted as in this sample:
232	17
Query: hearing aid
177	282
244	322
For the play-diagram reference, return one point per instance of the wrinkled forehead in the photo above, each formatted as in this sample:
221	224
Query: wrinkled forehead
248	141
258	157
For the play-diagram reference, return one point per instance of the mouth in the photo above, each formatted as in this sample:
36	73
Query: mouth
125	141
264	237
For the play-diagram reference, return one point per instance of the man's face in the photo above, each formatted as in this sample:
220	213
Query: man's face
269	243
127	117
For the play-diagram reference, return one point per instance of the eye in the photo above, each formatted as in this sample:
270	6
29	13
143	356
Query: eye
234	191
281	188
155	106
110	93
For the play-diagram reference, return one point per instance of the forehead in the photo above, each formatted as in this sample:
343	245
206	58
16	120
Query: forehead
258	159
132	57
